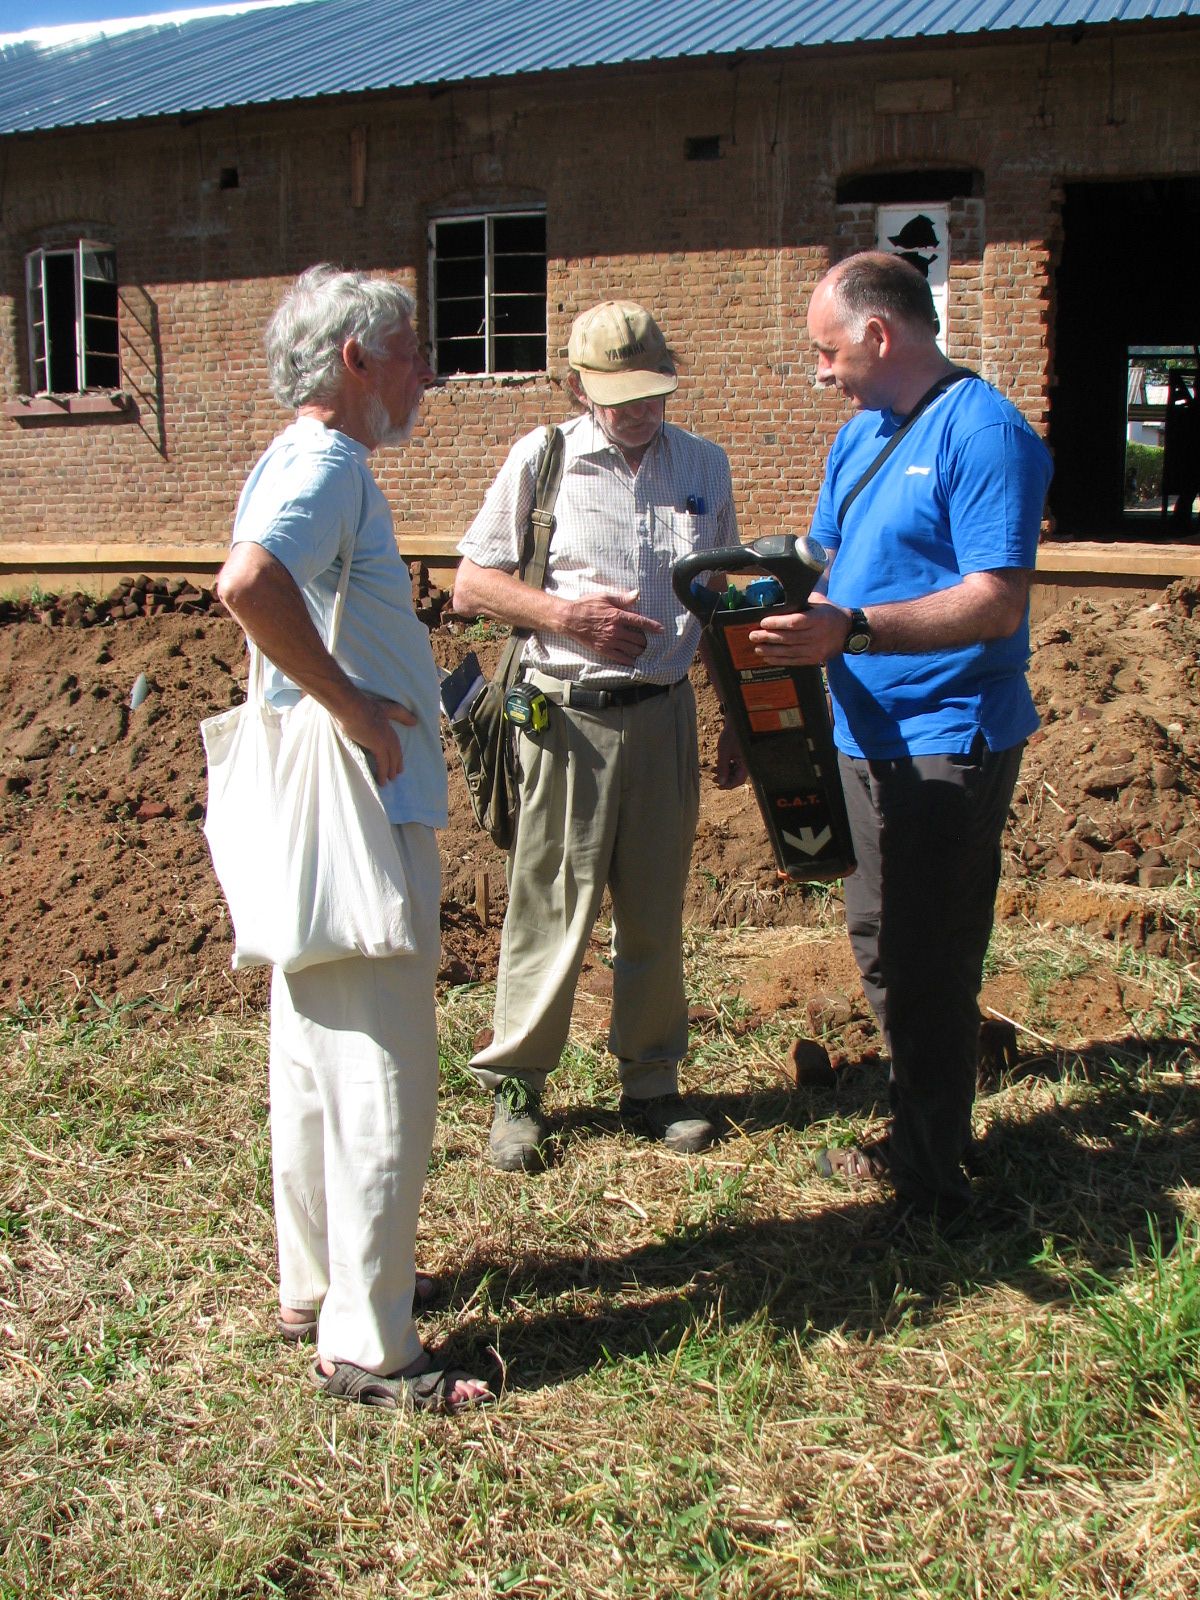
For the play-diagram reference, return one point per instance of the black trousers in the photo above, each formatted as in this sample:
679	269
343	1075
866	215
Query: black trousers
919	912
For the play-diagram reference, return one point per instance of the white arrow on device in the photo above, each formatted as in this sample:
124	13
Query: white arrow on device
808	841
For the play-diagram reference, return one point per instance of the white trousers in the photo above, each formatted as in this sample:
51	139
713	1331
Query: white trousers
353	1082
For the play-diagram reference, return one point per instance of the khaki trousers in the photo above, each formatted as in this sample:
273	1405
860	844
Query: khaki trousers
608	799
354	1068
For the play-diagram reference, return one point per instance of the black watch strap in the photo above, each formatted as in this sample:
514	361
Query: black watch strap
858	636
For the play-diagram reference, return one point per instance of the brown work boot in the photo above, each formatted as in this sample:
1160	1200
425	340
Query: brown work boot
518	1128
671	1119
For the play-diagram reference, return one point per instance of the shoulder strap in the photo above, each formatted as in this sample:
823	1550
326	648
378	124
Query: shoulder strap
536	554
347	553
931	394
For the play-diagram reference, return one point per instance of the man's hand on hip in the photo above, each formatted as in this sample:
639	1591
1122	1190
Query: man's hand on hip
608	624
370	724
262	596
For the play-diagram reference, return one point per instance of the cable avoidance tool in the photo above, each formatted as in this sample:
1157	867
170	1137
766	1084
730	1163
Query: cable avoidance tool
780	715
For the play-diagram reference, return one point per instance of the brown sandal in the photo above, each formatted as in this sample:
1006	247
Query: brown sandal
420	1391
858	1164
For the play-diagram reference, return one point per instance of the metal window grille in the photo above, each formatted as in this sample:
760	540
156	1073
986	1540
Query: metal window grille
71	296
487	275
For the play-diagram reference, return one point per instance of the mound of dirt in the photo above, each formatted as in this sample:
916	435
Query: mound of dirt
1109	784
108	892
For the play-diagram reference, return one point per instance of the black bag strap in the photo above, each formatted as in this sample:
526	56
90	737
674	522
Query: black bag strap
944	382
535	556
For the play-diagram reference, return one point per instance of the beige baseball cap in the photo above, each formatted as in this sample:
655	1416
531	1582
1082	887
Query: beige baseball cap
619	352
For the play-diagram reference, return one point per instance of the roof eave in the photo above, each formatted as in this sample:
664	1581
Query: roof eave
981	39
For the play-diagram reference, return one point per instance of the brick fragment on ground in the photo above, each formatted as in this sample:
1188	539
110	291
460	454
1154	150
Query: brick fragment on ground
810	1064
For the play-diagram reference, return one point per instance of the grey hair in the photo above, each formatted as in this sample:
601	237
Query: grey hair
323	308
874	284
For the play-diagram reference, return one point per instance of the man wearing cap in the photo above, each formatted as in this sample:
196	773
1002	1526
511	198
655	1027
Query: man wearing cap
609	792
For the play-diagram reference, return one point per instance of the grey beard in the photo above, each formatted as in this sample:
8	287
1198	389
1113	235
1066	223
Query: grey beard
383	430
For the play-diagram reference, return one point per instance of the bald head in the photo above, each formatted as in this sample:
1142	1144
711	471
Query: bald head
875	284
873	326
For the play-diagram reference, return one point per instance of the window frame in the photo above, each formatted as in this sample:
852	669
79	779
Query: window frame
489	216
37	289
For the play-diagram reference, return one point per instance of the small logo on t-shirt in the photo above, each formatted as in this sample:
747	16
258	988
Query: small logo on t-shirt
917	472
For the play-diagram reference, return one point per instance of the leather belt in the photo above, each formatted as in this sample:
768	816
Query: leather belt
575	694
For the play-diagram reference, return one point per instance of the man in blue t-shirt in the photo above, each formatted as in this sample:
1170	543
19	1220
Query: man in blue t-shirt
924	630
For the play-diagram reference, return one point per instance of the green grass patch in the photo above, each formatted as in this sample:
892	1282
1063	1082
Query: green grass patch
724	1379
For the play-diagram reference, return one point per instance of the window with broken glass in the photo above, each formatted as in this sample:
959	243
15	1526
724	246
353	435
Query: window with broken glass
487	277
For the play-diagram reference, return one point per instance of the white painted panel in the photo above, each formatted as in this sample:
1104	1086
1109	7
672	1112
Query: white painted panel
921	234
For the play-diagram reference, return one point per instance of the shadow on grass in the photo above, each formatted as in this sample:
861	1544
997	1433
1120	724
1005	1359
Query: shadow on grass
860	1091
1087	1179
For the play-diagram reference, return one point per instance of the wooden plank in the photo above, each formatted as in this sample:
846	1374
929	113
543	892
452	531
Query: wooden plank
1120	560
438	547
28	557
112	555
1099	558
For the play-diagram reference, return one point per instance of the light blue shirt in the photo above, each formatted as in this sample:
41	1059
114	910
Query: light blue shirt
309	498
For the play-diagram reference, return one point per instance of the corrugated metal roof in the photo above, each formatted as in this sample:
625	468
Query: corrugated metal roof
329	47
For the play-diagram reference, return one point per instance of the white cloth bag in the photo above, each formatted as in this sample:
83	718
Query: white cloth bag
299	837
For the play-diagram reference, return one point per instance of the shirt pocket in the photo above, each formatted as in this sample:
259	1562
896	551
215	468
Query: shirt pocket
678	533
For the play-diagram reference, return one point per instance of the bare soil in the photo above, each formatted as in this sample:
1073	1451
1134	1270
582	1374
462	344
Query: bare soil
107	893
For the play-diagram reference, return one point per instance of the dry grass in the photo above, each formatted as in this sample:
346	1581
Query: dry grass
723	1378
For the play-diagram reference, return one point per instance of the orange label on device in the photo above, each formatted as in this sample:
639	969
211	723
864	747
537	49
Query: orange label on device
741	652
775	693
771	704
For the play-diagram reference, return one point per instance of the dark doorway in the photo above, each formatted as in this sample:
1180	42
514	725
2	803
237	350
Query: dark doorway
1127	281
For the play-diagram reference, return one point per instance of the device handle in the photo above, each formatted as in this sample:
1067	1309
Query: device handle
797	563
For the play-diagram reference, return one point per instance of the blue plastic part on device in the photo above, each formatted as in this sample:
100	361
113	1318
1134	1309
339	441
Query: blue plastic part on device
764	592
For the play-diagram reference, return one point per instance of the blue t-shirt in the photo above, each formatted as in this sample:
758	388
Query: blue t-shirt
307	498
962	492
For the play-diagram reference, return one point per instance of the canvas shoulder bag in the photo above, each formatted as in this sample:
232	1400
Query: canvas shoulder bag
299	837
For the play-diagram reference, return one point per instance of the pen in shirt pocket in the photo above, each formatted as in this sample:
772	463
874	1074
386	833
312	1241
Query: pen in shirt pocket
694	504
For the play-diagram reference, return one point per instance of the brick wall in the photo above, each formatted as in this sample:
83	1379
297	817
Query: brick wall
725	251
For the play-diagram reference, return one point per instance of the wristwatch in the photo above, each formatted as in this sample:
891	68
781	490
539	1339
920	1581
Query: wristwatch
858	640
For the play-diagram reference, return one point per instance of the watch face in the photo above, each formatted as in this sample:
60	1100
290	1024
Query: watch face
858	640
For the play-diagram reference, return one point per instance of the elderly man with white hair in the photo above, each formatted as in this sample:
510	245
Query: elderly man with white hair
353	1069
